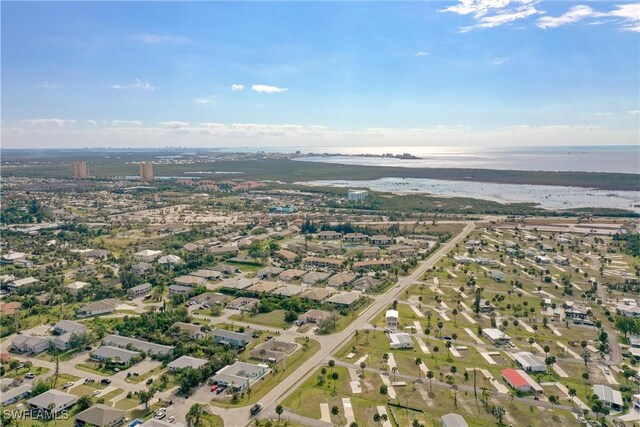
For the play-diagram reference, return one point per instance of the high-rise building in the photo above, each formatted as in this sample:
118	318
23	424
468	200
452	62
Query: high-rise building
146	171
80	170
357	195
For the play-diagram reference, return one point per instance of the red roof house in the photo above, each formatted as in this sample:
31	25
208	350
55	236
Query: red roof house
515	380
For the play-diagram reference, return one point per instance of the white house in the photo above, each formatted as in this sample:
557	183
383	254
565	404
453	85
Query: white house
400	340
392	320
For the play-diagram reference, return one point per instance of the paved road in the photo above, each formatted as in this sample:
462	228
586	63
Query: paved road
239	417
615	353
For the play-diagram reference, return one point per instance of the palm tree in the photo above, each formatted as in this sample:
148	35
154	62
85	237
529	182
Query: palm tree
394	370
362	366
436	349
336	411
418	364
279	411
376	418
427	331
430	376
194	416
332	363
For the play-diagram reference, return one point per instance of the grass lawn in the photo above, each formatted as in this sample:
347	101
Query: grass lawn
113	393
19	373
92	367
86	389
127	403
137	379
264	385
211	420
344	321
274	319
65	378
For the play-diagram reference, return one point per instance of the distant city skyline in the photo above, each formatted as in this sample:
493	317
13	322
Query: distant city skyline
217	74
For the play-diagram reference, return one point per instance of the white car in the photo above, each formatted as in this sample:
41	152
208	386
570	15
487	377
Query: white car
171	419
67	385
607	371
96	392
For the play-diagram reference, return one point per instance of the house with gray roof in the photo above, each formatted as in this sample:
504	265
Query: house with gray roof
232	339
96	308
118	355
52	401
609	397
140	345
30	344
240	375
186	362
100	415
11	396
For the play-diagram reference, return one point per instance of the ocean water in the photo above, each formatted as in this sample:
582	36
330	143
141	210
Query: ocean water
625	159
546	196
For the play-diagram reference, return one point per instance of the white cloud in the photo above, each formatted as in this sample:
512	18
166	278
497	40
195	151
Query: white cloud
237	87
634	112
627	16
126	123
268	89
136	85
173	125
91	122
48	123
160	38
421	53
500	61
49	85
493	13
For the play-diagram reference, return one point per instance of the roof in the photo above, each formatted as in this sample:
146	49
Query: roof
77	285
190	280
392	313
317	294
314	277
140	287
291	273
148	252
288	290
69	326
345	298
28	340
263	287
15	392
514	378
454	420
111	352
187	362
341	279
100	415
141	345
236	336
190	327
207	274
526	359
400	338
24	282
495	334
607	394
100	305
56	397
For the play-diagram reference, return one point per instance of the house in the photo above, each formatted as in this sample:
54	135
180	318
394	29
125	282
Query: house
10	308
561	260
547	248
575	311
208	274
400	340
240	375
453	420
291	274
19	284
381	240
100	415
263	287
392	320
285	255
141	268
139	291
170	260
288	290
235	340
628	311
314	277
15	258
497	275
331	263
356	237
269	272
186	362
68	326
496	336
366	284
243	303
341	279
609	397
345	299
516	380
52	401
315	316
372	264
223	250
9	397
180	290
118	355
147	255
188	280
329	235
211	298
226	269
96	308
273	351
463	259
30	344
193	331
75	287
317	294
365	251
136	344
401	250
528	362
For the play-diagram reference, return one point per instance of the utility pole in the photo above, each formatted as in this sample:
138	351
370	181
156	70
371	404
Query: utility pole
475	392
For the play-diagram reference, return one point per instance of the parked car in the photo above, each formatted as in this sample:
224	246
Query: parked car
67	385
30	375
160	416
105	381
171	419
214	387
149	381
96	392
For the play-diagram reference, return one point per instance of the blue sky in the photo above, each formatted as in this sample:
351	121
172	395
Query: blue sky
460	72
